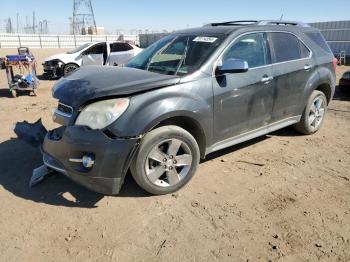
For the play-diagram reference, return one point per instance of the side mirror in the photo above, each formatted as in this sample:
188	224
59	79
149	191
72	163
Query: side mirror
232	66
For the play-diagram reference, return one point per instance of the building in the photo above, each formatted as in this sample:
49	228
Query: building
337	34
99	30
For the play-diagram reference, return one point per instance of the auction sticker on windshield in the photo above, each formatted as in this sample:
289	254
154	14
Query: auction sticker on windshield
206	39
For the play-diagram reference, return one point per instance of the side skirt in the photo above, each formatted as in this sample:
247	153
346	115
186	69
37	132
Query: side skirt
253	134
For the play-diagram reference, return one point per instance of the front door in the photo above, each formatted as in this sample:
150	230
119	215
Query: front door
94	55
243	101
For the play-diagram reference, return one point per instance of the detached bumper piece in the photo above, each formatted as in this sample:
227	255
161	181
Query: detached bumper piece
89	157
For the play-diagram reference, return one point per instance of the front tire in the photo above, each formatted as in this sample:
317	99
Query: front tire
313	115
69	68
166	160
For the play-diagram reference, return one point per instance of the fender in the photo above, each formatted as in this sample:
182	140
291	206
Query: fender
149	109
321	76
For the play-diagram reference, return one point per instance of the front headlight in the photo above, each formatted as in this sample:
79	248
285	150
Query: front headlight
100	114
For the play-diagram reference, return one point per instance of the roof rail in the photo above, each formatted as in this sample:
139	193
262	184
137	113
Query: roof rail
257	22
282	22
237	23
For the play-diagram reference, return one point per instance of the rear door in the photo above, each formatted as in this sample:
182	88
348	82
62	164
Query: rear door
94	55
293	66
120	53
243	101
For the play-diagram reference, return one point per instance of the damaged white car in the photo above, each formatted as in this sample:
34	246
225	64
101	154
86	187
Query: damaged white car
102	53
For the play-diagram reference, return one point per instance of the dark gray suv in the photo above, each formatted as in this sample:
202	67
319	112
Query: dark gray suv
191	93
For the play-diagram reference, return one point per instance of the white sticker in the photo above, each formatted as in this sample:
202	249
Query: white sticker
206	39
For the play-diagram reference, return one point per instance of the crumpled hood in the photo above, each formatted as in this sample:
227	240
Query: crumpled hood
65	58
92	82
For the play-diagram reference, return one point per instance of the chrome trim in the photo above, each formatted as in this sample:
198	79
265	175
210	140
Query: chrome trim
215	64
58	112
67	106
76	160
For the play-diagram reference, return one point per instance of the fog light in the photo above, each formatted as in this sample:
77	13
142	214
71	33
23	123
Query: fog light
88	161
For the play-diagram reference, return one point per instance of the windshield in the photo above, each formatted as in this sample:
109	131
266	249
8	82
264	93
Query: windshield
78	49
177	54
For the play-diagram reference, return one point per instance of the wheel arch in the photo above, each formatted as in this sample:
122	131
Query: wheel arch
189	124
71	63
326	89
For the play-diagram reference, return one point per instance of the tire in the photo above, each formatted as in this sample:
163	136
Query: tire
69	68
159	167
313	110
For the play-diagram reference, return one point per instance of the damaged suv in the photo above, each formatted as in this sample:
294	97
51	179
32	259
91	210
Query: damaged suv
191	93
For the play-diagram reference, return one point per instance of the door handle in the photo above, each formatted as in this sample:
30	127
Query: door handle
307	67
266	79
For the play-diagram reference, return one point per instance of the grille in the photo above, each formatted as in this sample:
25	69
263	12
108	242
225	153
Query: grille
68	110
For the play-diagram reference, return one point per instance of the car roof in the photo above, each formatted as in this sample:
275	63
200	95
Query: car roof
228	28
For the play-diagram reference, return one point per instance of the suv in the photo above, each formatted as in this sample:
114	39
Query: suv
191	93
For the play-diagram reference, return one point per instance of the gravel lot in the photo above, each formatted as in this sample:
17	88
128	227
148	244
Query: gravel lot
294	206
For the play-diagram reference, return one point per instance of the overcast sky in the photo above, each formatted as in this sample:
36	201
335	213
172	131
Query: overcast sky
171	15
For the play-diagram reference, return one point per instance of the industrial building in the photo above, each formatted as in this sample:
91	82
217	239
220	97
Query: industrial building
337	34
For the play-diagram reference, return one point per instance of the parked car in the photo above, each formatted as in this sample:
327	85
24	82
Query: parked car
192	93
344	82
103	53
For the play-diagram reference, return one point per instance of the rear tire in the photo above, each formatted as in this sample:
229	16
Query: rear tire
166	160
313	115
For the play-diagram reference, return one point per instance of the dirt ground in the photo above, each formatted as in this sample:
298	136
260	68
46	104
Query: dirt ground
295	206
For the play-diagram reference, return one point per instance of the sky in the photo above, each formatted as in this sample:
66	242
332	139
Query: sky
171	15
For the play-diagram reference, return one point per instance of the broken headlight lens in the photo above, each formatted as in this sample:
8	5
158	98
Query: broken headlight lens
100	114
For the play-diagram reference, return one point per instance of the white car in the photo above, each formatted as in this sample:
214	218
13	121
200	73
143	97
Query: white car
103	53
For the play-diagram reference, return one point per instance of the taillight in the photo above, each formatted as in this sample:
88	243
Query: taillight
335	63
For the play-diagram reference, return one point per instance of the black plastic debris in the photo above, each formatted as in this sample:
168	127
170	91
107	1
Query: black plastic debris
34	134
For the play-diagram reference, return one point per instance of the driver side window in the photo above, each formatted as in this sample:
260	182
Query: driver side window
96	49
251	48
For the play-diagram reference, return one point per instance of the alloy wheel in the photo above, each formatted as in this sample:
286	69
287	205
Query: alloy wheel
317	112
168	163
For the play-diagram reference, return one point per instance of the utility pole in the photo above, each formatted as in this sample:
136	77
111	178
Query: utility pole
83	17
33	23
17	22
9	28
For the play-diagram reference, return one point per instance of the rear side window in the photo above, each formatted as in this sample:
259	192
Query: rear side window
120	47
250	48
287	47
319	40
305	52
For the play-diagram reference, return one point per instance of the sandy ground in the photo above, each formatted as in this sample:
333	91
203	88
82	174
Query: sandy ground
294	207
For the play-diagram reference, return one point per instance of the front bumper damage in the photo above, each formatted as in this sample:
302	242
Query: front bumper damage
53	69
112	157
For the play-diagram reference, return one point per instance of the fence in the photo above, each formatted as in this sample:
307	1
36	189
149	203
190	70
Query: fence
59	41
148	39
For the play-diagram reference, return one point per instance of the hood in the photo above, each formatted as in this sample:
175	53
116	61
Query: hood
93	82
65	58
